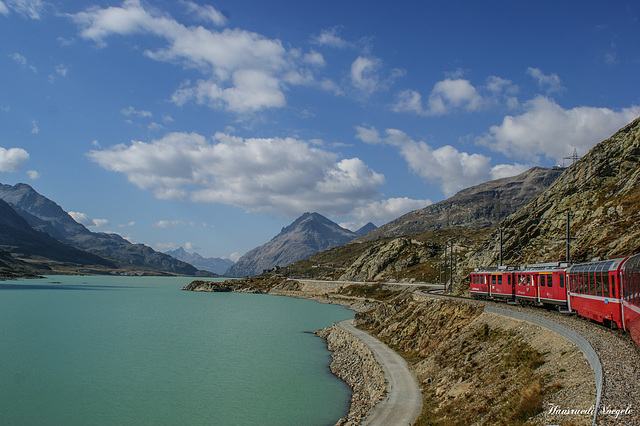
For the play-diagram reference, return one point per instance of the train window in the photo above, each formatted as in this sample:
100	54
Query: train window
592	281
598	279
509	280
561	280
499	279
605	283
613	287
493	279
542	280
584	287
550	280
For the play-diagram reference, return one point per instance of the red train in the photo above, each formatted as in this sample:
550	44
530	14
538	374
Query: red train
607	291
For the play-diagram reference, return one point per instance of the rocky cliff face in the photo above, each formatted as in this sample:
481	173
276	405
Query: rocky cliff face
601	193
479	206
309	234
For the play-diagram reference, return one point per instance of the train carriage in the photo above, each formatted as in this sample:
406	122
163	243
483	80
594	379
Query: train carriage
630	274
595	291
492	283
542	284
479	283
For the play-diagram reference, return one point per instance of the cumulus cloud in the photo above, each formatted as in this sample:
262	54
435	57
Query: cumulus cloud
446	167
12	159
551	82
283	175
446	96
33	174
85	220
546	130
207	13
330	37
244	71
364	74
384	211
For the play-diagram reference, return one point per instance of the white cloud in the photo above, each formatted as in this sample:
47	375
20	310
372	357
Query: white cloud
546	129
29	8
446	96
34	127
551	83
168	224
191	246
446	167
207	13
22	61
284	175
85	220
384	211
244	71
12	159
364	74
131	111
33	174
330	37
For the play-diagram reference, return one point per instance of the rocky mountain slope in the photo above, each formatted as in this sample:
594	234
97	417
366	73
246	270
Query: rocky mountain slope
309	234
212	264
27	251
601	193
482	205
46	216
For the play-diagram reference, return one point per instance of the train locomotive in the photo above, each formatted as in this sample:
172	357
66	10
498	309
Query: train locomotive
606	291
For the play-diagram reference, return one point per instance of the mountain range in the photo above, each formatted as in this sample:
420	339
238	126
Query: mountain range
46	231
212	264
482	205
309	234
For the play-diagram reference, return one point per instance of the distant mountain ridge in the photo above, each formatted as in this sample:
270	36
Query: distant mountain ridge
309	234
43	214
212	264
18	238
482	205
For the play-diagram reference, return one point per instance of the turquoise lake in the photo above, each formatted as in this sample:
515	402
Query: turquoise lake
80	350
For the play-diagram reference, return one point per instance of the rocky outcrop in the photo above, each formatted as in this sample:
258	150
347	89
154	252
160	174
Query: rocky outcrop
479	206
383	260
221	287
354	363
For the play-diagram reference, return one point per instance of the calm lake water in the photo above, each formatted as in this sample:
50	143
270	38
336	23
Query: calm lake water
136	350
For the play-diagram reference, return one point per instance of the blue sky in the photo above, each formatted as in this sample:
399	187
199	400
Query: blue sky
211	125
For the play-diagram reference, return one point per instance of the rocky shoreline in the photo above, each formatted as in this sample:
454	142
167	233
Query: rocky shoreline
354	363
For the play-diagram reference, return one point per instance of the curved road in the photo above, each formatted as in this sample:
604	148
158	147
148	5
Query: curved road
403	403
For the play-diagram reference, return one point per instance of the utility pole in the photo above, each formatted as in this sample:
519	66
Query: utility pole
451	266
446	245
568	256
500	256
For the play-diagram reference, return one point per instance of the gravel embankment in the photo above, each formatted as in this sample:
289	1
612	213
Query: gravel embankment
619	356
